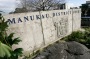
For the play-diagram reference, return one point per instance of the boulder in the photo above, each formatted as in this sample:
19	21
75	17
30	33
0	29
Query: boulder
76	48
66	50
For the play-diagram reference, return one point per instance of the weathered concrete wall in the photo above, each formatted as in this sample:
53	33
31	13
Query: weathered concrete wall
76	17
38	29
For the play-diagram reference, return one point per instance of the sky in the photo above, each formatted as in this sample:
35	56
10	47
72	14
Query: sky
9	5
75	3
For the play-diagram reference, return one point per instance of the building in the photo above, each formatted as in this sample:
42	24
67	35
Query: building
85	8
88	1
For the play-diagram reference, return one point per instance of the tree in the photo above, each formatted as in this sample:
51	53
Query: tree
20	10
38	5
1	11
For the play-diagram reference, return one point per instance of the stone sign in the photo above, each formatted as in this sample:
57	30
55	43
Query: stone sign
38	29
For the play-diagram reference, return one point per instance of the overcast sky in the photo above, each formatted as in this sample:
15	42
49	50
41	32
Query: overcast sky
9	5
76	2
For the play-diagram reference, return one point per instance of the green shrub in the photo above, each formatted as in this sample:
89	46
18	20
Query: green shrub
75	36
87	38
6	42
79	36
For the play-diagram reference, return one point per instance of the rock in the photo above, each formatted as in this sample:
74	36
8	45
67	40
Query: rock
76	48
84	56
41	57
57	51
70	56
67	50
